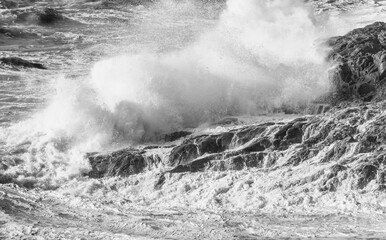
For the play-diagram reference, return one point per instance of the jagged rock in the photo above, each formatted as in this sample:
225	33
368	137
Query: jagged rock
19	62
170	137
360	63
347	140
330	180
124	162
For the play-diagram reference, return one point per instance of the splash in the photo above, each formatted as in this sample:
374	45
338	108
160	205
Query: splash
259	56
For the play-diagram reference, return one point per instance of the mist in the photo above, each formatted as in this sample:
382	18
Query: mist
258	57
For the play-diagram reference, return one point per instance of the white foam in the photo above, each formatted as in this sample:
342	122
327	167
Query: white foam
259	55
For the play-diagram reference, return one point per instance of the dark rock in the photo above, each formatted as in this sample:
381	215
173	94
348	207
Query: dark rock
19	62
121	163
347	140
366	91
160	182
330	181
290	133
183	154
214	143
360	63
248	133
258	145
366	173
194	165
294	135
170	137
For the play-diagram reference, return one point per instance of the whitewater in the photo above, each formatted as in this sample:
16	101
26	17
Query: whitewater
130	74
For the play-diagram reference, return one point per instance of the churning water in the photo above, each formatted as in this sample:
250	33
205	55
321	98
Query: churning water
121	74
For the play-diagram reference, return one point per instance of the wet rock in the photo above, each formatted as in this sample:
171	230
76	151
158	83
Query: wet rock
238	162
183	154
170	137
257	145
349	140
19	62
365	173
359	57
160	182
330	181
214	143
289	134
121	163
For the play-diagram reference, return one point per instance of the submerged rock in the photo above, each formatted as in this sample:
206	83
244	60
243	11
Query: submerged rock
19	62
46	16
49	16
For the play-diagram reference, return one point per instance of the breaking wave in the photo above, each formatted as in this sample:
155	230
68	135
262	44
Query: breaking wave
259	57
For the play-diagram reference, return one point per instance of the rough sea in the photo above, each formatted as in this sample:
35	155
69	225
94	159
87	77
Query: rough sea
112	74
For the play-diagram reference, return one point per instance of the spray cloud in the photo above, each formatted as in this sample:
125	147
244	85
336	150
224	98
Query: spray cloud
260	55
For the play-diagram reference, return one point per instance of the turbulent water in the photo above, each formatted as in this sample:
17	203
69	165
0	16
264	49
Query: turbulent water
122	73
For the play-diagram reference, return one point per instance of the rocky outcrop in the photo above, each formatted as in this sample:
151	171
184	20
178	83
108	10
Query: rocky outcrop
121	163
16	62
360	59
348	140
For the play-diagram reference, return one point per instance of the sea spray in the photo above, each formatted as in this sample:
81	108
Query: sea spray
259	56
